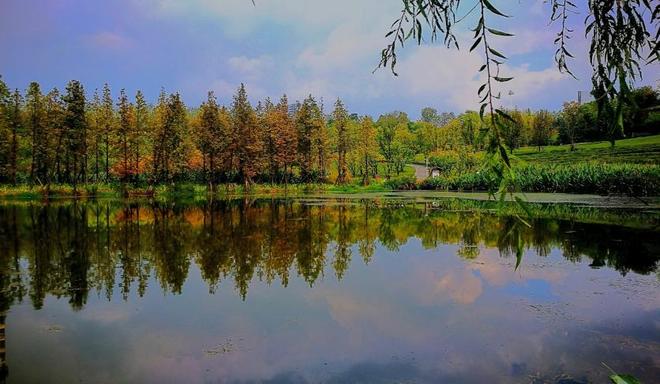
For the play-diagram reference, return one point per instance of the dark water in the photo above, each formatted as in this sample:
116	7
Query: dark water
309	291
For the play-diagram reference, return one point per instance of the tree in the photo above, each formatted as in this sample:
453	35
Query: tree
76	131
94	132
470	127
212	136
512	130
430	115
366	146
15	122
310	125
542	128
55	114
248	144
568	123
125	135
171	129
340	121
37	128
141	132
108	120
285	138
4	131
402	145
387	127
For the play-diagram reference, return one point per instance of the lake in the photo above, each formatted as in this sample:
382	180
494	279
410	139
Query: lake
327	290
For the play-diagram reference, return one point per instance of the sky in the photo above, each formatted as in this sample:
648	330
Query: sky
325	48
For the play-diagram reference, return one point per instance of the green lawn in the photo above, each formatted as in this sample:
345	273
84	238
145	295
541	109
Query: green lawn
640	150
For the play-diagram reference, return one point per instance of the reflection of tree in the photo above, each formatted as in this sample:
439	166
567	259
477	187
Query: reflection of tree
169	247
70	249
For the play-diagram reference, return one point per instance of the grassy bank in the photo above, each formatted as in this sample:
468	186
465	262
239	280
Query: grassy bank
639	150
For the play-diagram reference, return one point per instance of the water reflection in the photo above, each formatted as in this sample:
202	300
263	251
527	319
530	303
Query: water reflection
70	249
389	317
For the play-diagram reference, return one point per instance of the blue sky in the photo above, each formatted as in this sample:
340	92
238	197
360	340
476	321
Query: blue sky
326	48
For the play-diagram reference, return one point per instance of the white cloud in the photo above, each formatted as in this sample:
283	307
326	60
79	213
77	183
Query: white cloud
252	67
108	40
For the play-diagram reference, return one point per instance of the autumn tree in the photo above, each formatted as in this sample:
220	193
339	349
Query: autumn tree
267	117
125	135
248	143
340	122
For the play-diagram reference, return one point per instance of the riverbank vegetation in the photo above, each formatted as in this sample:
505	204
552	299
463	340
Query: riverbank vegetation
54	144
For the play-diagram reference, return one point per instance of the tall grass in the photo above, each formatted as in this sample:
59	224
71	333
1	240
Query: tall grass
592	178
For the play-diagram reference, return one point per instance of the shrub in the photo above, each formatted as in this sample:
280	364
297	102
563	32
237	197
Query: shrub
404	182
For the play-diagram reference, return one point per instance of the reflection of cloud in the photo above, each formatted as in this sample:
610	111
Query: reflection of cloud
106	315
361	317
498	272
462	287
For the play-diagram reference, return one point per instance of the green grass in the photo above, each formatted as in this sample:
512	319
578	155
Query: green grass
639	150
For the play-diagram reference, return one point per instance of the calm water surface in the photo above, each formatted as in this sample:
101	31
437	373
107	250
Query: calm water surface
326	290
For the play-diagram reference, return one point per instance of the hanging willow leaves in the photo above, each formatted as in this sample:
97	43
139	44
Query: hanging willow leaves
560	11
620	42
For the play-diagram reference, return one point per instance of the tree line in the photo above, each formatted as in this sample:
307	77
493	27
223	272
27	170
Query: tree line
52	138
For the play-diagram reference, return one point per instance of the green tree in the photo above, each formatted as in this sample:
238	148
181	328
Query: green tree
367	147
542	128
388	125
141	132
310	126
4	131
285	138
568	123
108	119
171	129
36	121
212	133
55	114
15	123
94	133
76	131
340	122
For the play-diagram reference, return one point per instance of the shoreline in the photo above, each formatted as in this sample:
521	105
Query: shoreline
321	191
